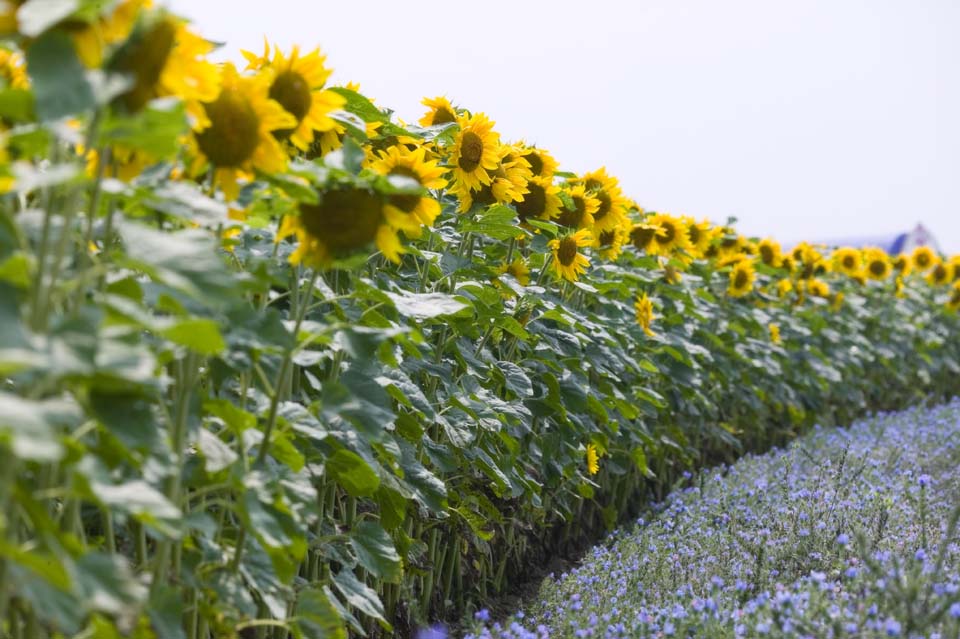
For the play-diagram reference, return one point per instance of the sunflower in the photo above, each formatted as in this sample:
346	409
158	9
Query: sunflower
784	287
476	152
818	288
613	205
644	310
12	70
642	235
568	262
583	206
519	270
940	274
609	244
296	82
877	264
774	333
769	251
742	277
847	260
441	111
898	286
90	39
163	57
410	212
700	236
955	263
902	264
787	263
508	182
542	200
836	302
673	237
240	137
923	258
953	303
542	164
730	243
593	460
345	219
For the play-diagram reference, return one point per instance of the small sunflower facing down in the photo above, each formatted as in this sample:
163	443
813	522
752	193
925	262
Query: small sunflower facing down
818	288
877	265
940	274
643	307
568	262
542	200
542	164
742	277
583	207
609	244
774	333
770	253
700	236
239	138
643	234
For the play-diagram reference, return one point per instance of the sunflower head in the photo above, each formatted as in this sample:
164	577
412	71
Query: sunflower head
609	244
953	302
643	235
410	211
613	205
673	236
643	307
940	274
13	71
476	152
700	236
578	210
742	277
769	251
774	333
877	265
568	262
347	218
923	258
541	201
542	164
593	460
143	57
818	288
519	269
440	111
902	264
847	260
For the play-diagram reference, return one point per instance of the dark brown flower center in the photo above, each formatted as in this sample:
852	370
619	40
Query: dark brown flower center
877	268
567	251
534	203
641	236
849	261
443	115
233	134
940	273
740	278
471	151
766	254
344	219
693	232
670	233
291	90
573	218
536	162
606	203
923	260
607	238
142	58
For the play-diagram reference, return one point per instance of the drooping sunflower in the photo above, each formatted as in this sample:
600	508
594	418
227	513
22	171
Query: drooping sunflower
568	262
728	244
475	153
410	212
345	219
542	200
441	111
902	264
700	236
643	307
519	270
836	301
847	260
784	287
296	82
163	57
877	264
940	274
583	206
239	137
769	251
742	278
923	258
593	460
542	164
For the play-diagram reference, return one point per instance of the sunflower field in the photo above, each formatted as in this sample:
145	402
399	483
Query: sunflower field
276	363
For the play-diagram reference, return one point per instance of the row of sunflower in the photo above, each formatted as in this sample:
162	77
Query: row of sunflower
278	364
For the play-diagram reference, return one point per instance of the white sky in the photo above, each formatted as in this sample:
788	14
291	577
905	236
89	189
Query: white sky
806	119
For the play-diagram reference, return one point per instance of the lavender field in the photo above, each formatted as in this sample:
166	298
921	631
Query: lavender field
846	533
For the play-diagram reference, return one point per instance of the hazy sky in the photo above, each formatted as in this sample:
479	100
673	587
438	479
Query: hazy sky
805	119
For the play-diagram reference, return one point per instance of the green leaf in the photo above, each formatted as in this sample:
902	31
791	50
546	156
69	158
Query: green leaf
32	426
498	222
16	269
198	334
353	473
216	455
316	618
107	584
140	500
360	596
423	306
59	82
155	130
375	551
166	612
